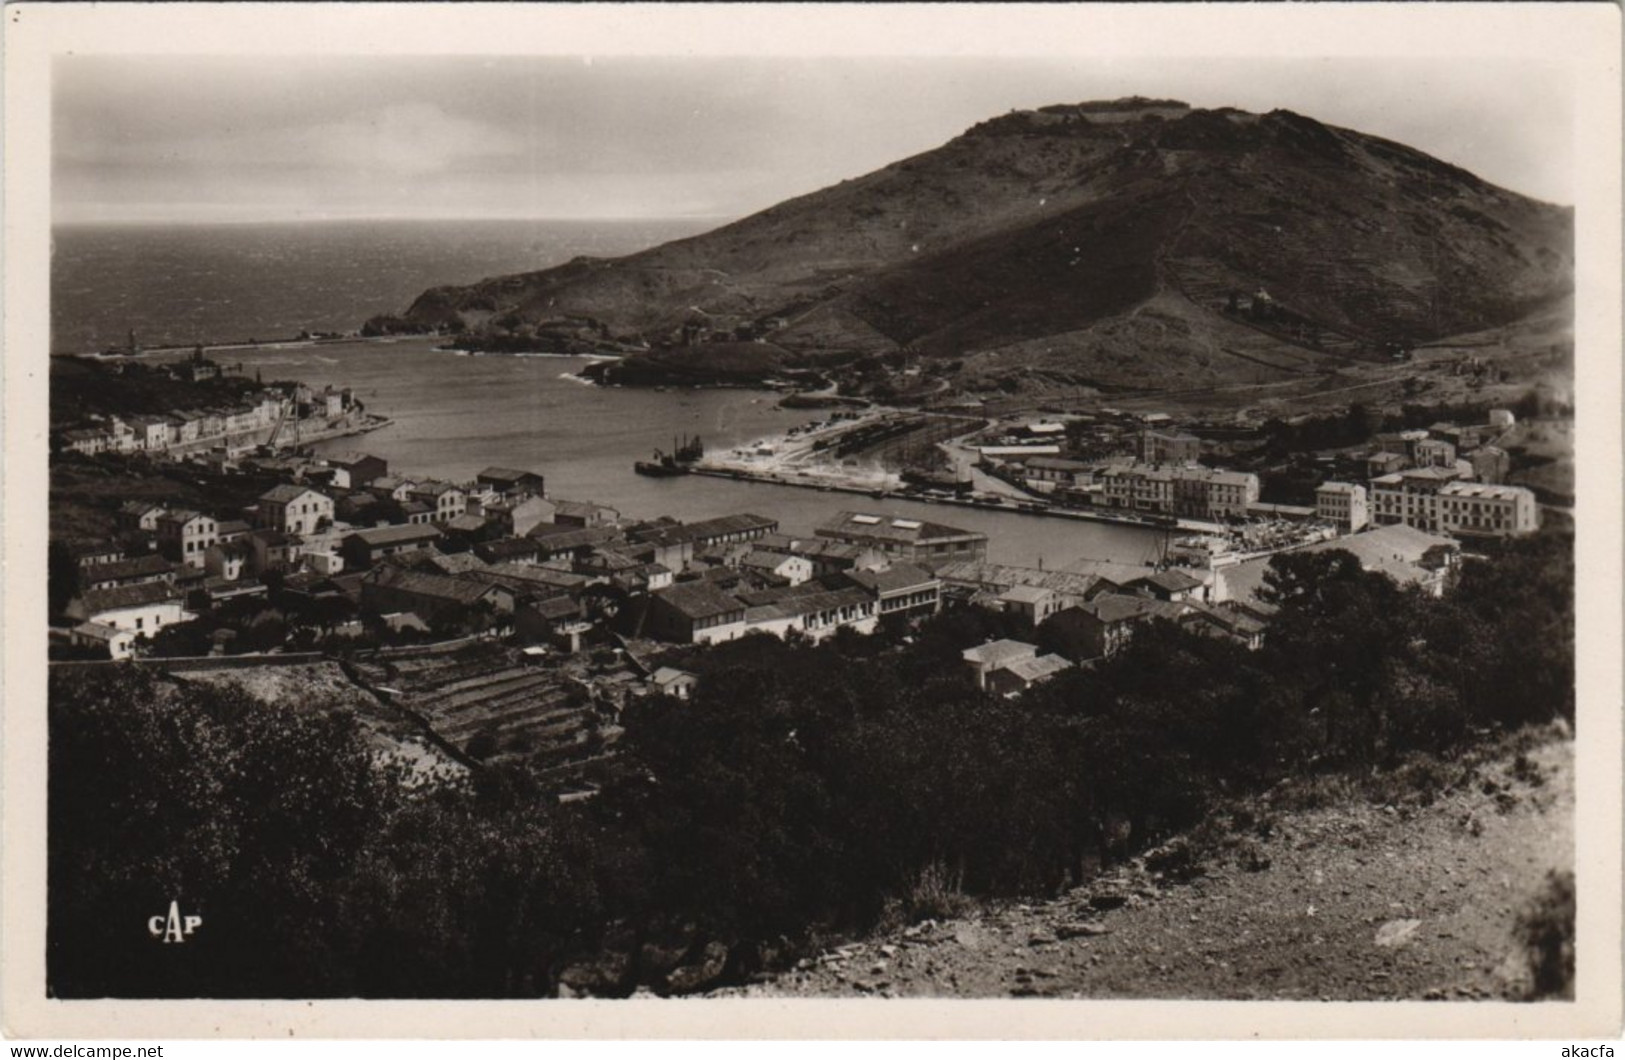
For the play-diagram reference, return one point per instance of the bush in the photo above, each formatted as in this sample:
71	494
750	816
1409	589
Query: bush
1546	931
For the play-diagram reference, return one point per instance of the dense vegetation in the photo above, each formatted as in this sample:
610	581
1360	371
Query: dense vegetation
804	790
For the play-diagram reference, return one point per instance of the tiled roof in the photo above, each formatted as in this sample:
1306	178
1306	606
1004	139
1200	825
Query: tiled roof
1037	669
998	654
393	535
699	599
896	578
99	600
286	494
892	528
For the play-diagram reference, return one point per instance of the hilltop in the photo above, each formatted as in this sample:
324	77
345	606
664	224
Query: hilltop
1125	244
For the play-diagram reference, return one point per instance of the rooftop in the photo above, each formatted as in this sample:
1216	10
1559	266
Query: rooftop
892	528
899	577
393	535
699	599
97	601
998	654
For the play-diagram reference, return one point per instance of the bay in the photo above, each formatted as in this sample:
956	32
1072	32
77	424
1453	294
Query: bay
455	414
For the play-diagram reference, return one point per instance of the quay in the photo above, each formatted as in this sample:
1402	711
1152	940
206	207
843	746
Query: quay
1035	507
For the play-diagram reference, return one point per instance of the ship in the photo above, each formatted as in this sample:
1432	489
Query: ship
675	463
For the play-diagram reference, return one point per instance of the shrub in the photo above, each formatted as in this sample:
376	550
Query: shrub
1545	928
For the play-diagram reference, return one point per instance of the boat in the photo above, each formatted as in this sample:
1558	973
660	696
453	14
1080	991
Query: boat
662	466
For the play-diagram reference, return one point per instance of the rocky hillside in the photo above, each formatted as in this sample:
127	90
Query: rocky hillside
1356	900
1129	243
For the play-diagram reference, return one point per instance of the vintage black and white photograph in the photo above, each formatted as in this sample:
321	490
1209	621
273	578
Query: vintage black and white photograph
554	524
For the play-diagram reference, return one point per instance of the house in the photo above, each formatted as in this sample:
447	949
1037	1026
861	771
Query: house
444	501
89	442
826	556
1032	602
915	541
417	513
518	514
1046	474
903	589
122	572
1490	464
1005	667
584	514
1172	585
1433	452
1071	586
792	569
136	609
809	610
137	516
184	535
1104	625
729	529
389	487
232	529
1382	463
1343	504
92	553
1169	447
556	620
670	681
509	550
390	588
695	612
272	550
507	480
151	432
294	510
360	469
364	548
226	560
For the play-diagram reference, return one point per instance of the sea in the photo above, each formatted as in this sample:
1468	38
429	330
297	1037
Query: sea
454	413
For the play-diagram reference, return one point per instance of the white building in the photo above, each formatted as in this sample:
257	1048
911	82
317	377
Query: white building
1343	504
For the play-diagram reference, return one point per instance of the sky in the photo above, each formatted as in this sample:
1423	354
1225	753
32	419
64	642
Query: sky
268	138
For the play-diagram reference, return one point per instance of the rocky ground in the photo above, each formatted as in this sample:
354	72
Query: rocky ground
1360	900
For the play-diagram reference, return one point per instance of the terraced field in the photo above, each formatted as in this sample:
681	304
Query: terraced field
491	703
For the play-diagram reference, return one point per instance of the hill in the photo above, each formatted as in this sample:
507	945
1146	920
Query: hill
1355	900
1125	244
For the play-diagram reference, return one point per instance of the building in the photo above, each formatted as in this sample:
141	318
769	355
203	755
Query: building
1169	447
695	612
518	514
123	572
1197	492
1046	474
1490	464
901	589
1343	504
1032	602
1005	667
444	501
1410	497
138	516
584	514
809	611
1104	625
792	569
669	681
911	540
361	469
506	480
226	560
365	548
1476	509
294	510
1433	452
1382	463
185	535
428	595
1172	585
139	610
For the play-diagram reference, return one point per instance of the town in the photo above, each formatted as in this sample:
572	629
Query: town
507	622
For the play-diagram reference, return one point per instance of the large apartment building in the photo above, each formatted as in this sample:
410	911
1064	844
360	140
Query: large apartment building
1343	504
1198	492
1436	500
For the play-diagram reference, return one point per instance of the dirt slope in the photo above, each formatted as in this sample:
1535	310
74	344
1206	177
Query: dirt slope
1357	902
